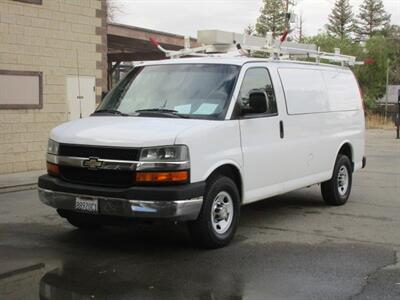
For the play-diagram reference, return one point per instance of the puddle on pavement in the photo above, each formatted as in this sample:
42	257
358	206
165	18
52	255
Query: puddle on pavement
72	282
241	271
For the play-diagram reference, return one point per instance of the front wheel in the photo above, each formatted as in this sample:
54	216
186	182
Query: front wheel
337	190
219	216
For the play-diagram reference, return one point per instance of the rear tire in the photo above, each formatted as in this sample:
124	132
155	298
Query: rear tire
84	223
336	191
219	216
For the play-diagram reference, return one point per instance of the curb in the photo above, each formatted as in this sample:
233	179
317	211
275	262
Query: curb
22	270
18	188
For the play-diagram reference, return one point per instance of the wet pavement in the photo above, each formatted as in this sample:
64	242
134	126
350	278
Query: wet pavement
287	247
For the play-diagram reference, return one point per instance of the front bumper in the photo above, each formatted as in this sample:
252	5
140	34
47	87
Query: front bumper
175	203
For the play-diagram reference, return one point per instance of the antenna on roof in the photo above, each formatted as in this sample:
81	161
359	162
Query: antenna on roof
79	97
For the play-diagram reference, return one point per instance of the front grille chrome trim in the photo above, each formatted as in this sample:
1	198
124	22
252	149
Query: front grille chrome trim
121	165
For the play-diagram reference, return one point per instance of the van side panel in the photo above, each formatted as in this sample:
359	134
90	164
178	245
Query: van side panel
346	104
342	90
323	112
305	91
307	105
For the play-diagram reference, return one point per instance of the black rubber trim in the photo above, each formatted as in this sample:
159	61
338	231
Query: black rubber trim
364	162
159	193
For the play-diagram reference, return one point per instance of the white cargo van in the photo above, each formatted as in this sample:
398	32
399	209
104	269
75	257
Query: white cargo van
194	139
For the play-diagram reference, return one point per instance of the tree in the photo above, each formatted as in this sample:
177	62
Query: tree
328	43
372	18
113	9
372	77
249	30
272	18
394	40
341	19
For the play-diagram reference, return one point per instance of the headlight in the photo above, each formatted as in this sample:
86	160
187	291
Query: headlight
163	165
52	147
165	154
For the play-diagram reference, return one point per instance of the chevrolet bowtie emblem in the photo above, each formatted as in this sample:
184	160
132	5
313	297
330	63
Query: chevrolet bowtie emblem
93	163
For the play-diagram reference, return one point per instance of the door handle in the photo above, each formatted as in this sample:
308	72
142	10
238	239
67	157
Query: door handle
281	129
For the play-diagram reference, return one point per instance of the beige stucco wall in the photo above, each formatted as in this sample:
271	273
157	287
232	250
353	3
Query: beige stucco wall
45	38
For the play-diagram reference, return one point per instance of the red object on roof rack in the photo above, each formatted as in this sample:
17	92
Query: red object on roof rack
154	42
284	36
369	61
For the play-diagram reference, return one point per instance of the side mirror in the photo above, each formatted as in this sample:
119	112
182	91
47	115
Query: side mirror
257	103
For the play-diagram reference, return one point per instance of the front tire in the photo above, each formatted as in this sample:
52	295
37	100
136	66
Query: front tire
219	216
336	191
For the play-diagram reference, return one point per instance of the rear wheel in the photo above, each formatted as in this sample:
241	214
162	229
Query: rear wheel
336	191
219	216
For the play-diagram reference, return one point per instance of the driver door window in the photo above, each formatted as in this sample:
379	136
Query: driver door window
257	80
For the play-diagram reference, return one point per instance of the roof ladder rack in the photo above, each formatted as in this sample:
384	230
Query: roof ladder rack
222	43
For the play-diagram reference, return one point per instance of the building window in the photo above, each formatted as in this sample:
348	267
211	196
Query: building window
21	89
31	1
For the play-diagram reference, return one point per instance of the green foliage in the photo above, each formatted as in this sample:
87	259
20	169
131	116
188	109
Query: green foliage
272	18
393	35
372	18
328	43
372	78
341	19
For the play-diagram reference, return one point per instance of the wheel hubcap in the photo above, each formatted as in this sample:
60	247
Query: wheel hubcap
222	212
343	180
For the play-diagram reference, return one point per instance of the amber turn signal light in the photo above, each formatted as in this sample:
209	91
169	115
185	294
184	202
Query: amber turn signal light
53	169
162	177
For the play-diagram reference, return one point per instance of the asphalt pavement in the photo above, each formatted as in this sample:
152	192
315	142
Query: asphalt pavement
287	247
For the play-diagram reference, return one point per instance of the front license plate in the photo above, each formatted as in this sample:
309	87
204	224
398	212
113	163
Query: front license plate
90	205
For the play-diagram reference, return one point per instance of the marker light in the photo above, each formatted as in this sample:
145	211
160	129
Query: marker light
53	169
162	177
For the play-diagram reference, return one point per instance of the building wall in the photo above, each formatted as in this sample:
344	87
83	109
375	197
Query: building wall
44	38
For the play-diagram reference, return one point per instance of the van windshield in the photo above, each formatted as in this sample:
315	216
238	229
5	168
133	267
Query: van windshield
180	90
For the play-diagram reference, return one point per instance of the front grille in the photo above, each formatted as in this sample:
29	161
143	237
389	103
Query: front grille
110	178
131	154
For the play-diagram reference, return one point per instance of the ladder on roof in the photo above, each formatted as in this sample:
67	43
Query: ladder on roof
220	43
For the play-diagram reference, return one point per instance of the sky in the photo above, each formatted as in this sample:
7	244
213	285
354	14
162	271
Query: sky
185	17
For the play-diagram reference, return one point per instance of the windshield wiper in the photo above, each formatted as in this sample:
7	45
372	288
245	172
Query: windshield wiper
161	111
110	111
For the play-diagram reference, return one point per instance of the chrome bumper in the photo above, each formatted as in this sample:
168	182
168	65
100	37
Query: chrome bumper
184	210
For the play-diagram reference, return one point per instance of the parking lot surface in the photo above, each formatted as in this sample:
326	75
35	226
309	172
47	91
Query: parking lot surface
287	247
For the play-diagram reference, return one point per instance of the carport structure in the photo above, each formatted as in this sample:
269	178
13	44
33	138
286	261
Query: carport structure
128	43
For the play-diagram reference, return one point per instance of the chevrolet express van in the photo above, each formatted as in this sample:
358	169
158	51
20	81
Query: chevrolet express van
194	139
